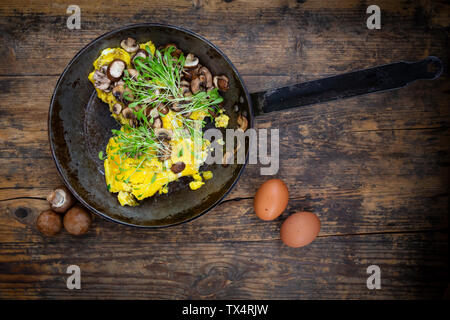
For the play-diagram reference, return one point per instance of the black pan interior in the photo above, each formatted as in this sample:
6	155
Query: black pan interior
80	126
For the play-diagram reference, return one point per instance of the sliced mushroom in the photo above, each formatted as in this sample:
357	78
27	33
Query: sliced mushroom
208	77
197	84
117	108
242	122
221	82
185	83
185	91
190	74
152	113
118	91
176	53
101	80
129	45
133	73
128	96
191	61
163	109
178	167
157	123
213	112
141	53
163	134
176	107
128	113
115	69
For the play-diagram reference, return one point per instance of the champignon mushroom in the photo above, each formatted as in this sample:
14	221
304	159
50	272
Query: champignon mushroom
191	61
127	96
128	113
185	91
141	53
175	106
117	108
213	112
133	73
163	134
178	167
77	221
60	199
115	69
157	123
163	109
221	82
129	45
185	83
176	53
242	122
118	91
208	77
49	223
102	82
189	74
197	84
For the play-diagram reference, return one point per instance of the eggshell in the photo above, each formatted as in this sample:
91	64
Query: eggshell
271	199
300	229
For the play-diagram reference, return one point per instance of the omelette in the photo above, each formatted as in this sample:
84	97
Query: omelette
161	99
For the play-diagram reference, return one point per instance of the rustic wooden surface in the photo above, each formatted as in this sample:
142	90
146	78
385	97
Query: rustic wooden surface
375	169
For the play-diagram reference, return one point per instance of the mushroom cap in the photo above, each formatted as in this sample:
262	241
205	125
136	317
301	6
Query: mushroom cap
178	167
77	221
49	223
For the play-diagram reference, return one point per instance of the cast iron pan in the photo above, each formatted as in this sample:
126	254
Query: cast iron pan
79	124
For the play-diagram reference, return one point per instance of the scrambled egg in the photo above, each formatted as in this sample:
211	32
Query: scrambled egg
138	178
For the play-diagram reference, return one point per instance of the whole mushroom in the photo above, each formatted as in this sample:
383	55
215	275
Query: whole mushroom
60	199
49	223
77	221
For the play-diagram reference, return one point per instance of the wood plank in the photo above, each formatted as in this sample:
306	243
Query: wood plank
340	212
278	37
413	266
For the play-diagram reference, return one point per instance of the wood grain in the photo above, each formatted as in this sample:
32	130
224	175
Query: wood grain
375	168
243	270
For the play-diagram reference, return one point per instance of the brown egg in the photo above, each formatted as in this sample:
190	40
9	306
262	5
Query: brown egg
271	199
300	229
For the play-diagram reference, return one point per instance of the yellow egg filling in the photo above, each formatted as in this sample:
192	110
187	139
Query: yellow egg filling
140	177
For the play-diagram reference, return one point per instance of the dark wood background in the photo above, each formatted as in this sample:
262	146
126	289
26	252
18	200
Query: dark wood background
375	169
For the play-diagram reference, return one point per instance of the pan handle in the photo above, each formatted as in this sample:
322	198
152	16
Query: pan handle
381	78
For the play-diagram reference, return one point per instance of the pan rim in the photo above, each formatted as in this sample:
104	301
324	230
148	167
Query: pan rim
50	132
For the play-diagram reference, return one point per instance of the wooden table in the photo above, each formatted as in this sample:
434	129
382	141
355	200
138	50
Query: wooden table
375	169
